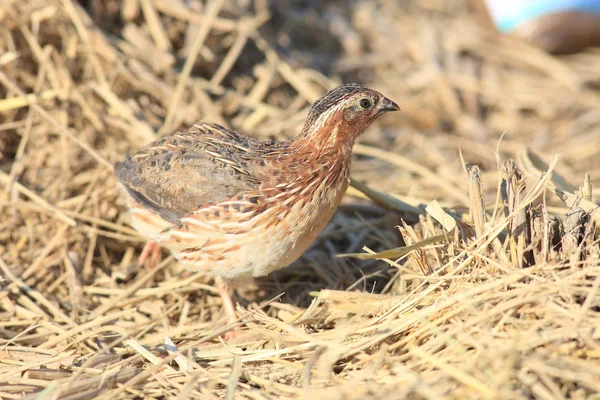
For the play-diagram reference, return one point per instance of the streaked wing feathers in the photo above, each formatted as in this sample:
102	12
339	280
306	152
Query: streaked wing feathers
182	173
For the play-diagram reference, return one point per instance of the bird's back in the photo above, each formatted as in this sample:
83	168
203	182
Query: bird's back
188	170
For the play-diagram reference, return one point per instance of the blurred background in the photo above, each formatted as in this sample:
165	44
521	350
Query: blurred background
112	68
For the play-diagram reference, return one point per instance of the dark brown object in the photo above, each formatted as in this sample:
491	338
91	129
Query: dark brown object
562	32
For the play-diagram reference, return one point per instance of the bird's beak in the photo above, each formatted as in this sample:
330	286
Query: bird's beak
386	105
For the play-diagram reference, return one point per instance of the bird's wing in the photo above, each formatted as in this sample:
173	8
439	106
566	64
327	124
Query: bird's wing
188	171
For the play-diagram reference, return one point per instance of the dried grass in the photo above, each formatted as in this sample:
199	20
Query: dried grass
456	315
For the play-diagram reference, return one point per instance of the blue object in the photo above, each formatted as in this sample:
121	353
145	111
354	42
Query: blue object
508	14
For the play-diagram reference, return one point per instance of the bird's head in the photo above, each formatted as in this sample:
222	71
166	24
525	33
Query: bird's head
343	114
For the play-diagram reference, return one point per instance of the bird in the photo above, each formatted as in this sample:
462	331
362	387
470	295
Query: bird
235	207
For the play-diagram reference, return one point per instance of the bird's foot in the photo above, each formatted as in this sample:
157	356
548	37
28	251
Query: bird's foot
233	334
150	253
225	291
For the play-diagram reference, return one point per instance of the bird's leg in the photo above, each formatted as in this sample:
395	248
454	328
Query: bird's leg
225	291
150	252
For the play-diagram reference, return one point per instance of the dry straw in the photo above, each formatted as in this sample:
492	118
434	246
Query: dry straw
479	276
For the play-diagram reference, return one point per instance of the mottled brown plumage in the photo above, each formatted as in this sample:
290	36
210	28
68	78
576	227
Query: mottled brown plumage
233	206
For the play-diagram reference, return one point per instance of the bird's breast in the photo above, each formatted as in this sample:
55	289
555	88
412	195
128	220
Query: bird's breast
295	214
303	217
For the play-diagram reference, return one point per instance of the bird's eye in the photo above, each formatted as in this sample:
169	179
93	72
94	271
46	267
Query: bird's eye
365	103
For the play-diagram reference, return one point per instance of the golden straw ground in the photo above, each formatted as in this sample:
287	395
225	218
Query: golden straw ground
455	318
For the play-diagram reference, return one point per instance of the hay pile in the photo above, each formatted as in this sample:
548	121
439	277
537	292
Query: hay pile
498	299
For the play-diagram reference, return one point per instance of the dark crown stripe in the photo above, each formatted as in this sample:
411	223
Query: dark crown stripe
329	100
334	96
